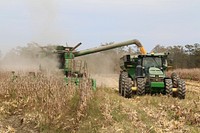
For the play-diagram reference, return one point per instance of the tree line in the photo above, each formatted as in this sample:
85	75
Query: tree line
187	56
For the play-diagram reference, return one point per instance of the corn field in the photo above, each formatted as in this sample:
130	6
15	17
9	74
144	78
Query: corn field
190	74
44	103
43	100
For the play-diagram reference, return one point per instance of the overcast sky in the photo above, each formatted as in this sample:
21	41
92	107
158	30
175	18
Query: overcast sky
93	22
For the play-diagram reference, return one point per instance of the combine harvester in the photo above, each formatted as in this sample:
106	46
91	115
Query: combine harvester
76	70
146	74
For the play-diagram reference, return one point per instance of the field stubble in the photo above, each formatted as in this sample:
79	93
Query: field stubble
46	104
41	102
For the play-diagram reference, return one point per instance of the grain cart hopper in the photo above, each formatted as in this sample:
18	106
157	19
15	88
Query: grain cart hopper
76	69
145	74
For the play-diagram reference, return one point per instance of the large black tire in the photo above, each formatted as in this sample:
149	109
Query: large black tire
168	86
120	82
128	89
124	76
141	86
181	89
175	79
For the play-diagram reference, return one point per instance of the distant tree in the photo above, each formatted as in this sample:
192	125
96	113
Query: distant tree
159	49
177	54
197	46
189	49
196	55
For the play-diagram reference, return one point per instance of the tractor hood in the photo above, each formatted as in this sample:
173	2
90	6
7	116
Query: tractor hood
153	71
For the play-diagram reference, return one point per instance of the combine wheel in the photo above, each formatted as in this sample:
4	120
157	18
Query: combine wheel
127	89
140	86
181	89
168	86
175	79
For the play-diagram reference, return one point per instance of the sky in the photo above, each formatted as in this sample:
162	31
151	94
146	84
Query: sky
94	22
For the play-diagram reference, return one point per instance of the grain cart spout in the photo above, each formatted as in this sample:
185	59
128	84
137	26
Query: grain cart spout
111	46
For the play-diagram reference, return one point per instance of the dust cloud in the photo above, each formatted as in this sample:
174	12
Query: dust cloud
104	67
44	28
44	21
29	59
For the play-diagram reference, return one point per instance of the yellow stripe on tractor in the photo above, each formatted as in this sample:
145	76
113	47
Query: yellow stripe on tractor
134	88
174	89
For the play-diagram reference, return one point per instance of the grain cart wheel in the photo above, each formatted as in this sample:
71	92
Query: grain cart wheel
123	80
168	86
175	79
127	89
181	89
140	86
120	82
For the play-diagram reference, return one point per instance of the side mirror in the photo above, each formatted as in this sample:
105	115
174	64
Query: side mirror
139	62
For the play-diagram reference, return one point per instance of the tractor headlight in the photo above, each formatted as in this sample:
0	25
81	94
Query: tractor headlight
152	75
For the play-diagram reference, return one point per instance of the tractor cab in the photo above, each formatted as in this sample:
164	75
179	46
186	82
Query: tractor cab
153	64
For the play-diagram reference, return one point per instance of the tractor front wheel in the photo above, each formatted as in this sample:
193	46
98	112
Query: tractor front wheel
175	79
127	89
140	86
181	89
168	86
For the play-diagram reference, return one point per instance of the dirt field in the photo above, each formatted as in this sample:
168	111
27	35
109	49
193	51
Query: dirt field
100	111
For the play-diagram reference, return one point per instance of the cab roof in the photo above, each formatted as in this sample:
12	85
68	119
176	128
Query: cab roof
151	55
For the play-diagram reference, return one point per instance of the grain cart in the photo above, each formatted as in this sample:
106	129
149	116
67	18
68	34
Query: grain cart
146	74
75	70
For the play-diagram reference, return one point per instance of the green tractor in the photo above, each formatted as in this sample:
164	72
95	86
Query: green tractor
146	74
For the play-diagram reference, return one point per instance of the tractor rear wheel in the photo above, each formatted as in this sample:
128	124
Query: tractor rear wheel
168	86
181	89
140	86
127	89
175	79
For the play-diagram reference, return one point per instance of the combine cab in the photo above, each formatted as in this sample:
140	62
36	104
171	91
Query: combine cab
73	69
145	74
